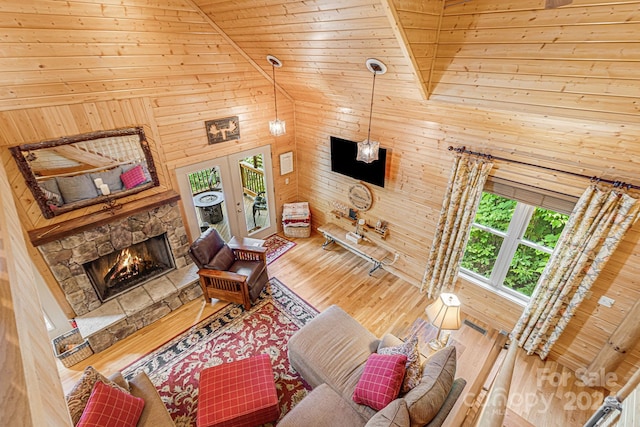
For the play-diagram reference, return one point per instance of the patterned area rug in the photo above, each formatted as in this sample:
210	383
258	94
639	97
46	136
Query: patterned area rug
276	246
230	334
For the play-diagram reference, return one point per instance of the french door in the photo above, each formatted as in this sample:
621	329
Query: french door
233	194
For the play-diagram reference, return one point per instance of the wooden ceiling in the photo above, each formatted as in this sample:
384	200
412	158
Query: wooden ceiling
576	60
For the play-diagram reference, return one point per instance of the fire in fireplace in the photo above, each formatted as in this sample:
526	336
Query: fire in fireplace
118	272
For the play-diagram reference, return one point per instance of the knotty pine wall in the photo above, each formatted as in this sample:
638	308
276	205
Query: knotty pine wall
418	171
76	67
496	83
30	390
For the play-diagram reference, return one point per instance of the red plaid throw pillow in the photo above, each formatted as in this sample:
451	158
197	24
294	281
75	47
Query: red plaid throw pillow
110	407
133	177
381	380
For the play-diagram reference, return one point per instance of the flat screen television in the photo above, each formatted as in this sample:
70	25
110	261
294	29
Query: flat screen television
343	161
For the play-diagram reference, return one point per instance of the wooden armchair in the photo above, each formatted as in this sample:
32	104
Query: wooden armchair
235	274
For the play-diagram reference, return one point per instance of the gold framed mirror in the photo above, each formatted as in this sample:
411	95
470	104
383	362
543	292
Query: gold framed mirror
83	170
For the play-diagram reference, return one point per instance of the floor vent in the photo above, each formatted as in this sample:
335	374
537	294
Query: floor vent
472	325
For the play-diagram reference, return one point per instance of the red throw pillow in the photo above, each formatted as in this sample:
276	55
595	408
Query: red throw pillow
110	407
133	177
381	380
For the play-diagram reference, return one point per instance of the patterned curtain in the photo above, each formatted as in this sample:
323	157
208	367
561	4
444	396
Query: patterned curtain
463	195
594	230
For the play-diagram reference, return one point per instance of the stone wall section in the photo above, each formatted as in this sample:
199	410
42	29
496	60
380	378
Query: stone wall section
65	256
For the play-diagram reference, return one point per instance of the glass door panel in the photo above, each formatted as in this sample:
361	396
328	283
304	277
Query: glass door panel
232	194
254	193
209	201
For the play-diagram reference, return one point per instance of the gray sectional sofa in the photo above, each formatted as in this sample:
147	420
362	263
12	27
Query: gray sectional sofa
330	353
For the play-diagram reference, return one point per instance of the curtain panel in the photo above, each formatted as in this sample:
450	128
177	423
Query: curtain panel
595	228
459	207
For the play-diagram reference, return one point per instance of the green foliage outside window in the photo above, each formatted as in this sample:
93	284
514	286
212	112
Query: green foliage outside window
528	262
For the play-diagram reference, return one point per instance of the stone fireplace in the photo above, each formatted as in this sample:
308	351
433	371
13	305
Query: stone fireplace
120	271
125	274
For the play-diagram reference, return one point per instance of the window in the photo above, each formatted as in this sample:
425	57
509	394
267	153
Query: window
510	243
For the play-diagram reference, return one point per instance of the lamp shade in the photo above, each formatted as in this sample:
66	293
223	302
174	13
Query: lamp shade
444	313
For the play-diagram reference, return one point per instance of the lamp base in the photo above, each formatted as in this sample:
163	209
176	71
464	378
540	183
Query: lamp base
436	344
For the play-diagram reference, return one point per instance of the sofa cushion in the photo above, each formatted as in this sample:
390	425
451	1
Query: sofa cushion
75	188
154	414
424	401
79	395
133	177
323	407
110	177
110	407
395	414
381	380
332	348
413	373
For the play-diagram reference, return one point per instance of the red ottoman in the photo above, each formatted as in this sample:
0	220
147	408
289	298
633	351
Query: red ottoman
238	394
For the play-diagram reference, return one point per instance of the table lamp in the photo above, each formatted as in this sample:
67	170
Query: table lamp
443	313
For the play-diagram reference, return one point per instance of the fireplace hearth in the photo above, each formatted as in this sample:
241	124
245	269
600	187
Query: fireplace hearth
118	272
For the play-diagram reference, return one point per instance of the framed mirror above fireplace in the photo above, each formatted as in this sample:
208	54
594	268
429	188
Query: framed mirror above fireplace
73	172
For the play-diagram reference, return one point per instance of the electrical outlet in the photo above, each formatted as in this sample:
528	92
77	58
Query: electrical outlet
606	301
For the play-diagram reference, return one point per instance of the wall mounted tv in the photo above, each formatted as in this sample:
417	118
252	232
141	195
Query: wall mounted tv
343	161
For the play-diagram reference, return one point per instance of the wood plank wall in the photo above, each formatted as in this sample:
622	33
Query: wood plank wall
417	176
568	101
159	64
30	390
579	60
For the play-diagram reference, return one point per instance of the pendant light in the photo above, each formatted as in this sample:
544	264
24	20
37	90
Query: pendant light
368	149
276	127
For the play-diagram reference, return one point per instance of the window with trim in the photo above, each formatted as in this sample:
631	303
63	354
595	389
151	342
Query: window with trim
510	244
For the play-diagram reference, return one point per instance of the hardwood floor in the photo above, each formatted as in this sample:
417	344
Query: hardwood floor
542	393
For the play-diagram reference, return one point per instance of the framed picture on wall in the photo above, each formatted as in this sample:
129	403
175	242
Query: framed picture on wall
286	163
221	130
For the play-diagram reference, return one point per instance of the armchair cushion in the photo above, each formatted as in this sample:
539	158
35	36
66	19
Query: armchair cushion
206	247
222	260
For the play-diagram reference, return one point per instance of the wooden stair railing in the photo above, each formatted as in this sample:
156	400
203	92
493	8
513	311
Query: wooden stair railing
495	407
613	411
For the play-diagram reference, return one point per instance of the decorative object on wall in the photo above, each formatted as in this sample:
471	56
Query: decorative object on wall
63	174
221	130
286	163
360	196
368	149
276	127
443	313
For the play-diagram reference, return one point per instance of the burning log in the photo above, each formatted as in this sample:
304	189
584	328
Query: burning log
126	266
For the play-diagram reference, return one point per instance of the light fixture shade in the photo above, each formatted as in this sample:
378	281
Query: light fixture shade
444	313
277	127
367	151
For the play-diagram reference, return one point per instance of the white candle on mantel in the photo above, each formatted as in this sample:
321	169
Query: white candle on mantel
98	182
104	188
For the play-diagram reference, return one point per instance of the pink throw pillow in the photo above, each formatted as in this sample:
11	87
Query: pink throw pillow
381	380
133	177
110	407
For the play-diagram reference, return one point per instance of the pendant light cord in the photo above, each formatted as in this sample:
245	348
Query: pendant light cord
371	108
275	96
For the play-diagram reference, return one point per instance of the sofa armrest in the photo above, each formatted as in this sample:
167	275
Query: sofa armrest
456	389
154	414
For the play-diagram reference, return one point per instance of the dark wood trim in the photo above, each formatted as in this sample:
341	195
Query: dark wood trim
53	232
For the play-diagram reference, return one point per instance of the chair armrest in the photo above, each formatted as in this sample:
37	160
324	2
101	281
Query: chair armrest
250	253
222	275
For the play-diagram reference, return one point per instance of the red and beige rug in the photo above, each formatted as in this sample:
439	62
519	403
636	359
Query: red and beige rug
276	246
230	334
